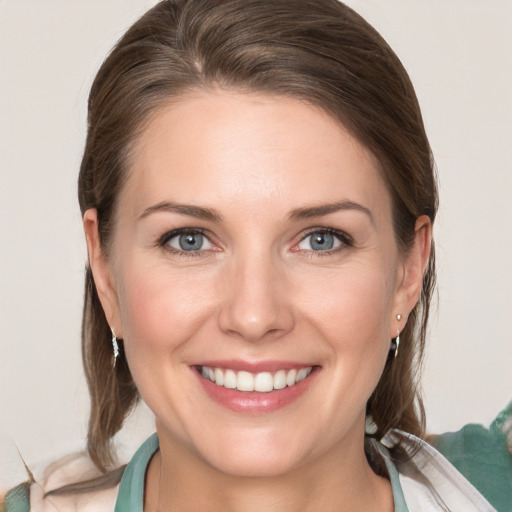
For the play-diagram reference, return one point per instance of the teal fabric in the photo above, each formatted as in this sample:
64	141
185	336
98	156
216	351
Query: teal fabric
398	495
130	497
17	499
481	455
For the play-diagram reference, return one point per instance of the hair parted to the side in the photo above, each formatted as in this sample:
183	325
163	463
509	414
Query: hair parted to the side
319	51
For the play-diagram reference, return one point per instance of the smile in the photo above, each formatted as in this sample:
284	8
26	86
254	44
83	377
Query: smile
262	382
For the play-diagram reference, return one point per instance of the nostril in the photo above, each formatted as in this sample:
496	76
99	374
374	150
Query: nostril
255	311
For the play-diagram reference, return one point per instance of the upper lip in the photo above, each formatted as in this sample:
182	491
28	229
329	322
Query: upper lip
254	366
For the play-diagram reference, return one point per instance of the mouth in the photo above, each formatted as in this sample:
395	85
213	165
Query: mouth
261	382
253	389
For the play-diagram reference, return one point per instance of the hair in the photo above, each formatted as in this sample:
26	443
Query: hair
317	51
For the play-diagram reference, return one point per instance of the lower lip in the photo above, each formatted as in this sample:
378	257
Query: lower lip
253	402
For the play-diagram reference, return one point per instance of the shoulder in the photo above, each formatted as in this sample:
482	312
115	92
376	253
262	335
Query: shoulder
483	456
72	483
423	480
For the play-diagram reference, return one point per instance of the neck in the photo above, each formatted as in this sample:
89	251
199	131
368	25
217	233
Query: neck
339	480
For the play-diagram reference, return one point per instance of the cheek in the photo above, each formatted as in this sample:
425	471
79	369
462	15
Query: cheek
351	311
351	303
161	309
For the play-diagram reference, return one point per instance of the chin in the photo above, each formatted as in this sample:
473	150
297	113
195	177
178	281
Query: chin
256	465
255	453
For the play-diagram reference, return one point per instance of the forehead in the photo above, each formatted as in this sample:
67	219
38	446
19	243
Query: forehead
250	151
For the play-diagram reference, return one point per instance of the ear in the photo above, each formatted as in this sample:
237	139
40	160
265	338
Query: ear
102	272
410	282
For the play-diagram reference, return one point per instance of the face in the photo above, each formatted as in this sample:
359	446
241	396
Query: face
255	279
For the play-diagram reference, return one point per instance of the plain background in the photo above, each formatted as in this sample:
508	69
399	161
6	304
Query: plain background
458	53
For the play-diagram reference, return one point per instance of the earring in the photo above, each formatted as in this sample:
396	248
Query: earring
396	343
115	346
370	426
398	317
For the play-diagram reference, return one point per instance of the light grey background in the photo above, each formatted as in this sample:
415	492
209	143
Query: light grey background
459	55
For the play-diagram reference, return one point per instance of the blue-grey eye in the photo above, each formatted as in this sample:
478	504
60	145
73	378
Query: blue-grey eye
190	241
319	241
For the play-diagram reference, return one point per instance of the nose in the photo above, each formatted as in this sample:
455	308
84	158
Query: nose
257	302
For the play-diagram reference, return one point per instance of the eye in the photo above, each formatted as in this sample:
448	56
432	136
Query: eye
323	240
187	240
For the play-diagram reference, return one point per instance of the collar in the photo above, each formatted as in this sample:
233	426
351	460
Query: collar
427	480
130	497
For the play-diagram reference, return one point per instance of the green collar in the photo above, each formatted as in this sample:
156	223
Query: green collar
130	497
398	495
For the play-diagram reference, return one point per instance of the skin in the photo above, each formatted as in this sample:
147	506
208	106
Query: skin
257	291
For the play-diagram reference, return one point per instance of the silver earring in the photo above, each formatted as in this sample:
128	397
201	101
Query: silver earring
115	346
370	426
399	317
396	344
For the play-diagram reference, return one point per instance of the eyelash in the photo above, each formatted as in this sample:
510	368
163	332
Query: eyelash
346	241
164	240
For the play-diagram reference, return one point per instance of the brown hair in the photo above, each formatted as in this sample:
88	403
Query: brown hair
319	51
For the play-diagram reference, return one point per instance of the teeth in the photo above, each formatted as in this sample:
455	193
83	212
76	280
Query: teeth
229	379
280	380
301	374
219	377
244	381
290	378
262	382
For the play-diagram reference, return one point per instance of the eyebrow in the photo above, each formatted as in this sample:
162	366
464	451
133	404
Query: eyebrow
183	209
212	215
311	212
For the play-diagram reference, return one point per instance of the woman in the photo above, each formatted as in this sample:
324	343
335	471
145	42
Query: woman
258	197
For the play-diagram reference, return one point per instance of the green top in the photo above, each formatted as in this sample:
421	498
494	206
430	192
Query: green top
17	499
480	454
131	489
